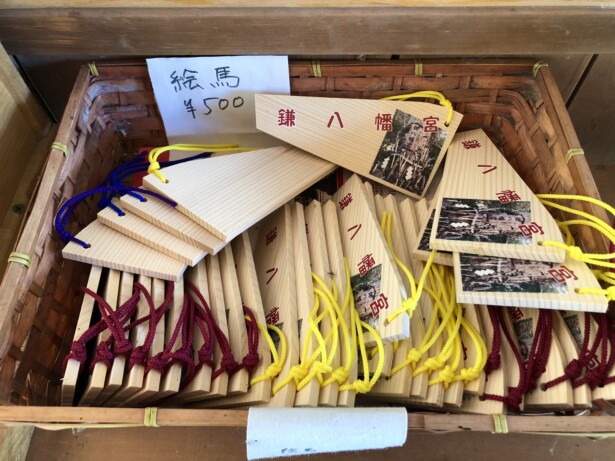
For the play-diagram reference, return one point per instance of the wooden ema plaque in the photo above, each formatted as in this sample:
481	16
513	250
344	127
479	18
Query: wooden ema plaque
562	321
111	249
602	396
261	181
151	235
307	396
375	281
199	387
435	392
133	378
171	380
422	249
174	222
73	367
99	373
491	211
115	375
151	380
397	143
401	383
275	269
258	393
557	397
387	346
536	284
319	261
470	353
338	274
496	383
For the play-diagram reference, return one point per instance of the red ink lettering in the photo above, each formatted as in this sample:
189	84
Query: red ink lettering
286	117
384	122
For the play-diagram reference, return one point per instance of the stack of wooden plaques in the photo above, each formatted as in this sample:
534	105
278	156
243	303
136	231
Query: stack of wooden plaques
150	238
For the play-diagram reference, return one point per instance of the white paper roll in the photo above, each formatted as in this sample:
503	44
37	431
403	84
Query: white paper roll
277	432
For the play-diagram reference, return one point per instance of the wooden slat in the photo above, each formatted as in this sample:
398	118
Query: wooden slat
262	181
109	248
149	234
162	31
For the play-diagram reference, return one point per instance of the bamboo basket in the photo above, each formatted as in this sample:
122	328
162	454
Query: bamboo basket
111	115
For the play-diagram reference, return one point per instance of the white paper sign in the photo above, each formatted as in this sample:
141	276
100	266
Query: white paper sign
278	432
211	99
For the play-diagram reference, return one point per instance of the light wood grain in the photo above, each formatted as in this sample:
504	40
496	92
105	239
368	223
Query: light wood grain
319	264
485	183
133	381
309	394
262	182
566	299
581	395
151	383
556	397
355	142
149	234
200	385
115	375
114	250
174	222
71	373
387	346
469	348
358	242
399	384
258	393
495	383
338	271
275	268
171	378
237	333
98	375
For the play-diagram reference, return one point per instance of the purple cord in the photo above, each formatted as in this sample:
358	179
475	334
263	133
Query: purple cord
66	210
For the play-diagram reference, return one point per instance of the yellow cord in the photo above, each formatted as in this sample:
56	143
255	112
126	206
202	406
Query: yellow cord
154	166
362	386
276	366
427	94
574	252
409	305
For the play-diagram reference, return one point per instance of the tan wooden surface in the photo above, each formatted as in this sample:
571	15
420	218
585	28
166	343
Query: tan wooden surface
180	444
454	27
592	110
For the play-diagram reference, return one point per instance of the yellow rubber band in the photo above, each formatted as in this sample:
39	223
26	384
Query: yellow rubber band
418	67
20	258
61	147
316	72
500	424
93	69
430	95
149	419
537	66
572	152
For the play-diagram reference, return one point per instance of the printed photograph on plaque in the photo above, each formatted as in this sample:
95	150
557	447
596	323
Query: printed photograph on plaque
484	221
368	296
409	150
486	273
